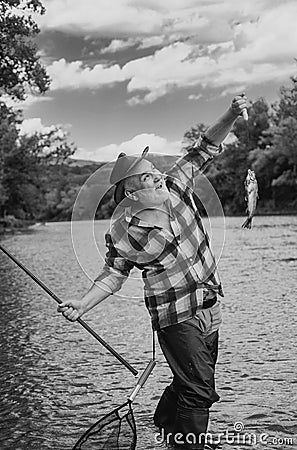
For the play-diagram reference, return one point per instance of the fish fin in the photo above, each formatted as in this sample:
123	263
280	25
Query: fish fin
247	223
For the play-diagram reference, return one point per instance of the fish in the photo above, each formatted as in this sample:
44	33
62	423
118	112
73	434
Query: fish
251	197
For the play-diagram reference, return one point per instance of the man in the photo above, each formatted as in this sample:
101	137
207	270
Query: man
158	230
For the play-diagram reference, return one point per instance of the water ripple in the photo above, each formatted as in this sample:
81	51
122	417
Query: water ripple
56	380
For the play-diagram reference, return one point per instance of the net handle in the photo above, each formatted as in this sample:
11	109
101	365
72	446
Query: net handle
79	320
142	379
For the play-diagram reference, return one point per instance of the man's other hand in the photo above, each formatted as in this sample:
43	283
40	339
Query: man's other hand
71	309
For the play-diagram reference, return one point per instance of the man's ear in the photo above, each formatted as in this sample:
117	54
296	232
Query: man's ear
131	195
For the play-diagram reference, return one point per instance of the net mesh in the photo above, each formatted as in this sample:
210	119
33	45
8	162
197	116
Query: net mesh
115	431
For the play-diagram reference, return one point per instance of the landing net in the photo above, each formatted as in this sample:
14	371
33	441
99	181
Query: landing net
115	431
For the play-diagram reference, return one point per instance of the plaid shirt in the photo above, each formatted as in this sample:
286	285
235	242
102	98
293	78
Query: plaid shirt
179	270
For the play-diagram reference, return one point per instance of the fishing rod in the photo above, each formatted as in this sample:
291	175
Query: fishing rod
79	320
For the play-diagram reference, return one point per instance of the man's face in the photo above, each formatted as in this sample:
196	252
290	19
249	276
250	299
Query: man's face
150	188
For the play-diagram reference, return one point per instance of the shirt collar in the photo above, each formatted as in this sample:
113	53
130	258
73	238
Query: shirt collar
133	220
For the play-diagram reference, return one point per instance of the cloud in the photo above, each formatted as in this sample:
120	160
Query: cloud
121	19
259	53
25	104
195	96
217	44
118	45
34	125
126	19
157	144
261	42
151	41
167	69
74	75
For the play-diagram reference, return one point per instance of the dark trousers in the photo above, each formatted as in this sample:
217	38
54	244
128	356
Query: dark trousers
184	405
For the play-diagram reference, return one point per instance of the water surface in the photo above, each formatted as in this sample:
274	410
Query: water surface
56	380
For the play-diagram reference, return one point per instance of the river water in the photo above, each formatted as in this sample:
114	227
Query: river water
56	379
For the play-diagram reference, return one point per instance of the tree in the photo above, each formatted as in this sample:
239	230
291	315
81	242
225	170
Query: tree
284	147
191	136
285	124
9	119
287	106
24	165
285	140
228	171
51	147
253	133
20	68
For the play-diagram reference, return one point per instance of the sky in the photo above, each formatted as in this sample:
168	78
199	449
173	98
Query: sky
131	73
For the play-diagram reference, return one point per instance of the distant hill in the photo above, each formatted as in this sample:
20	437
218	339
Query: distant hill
162	162
97	193
73	162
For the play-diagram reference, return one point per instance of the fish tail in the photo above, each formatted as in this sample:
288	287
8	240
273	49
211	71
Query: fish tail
247	223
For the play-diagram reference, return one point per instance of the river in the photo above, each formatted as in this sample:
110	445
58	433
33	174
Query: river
56	379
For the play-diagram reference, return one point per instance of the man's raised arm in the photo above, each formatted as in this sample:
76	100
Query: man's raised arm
223	125
188	166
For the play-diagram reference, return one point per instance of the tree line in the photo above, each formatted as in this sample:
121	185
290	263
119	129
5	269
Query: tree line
39	181
267	144
26	162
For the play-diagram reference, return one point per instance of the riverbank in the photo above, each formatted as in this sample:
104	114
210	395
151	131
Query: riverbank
260	213
12	225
